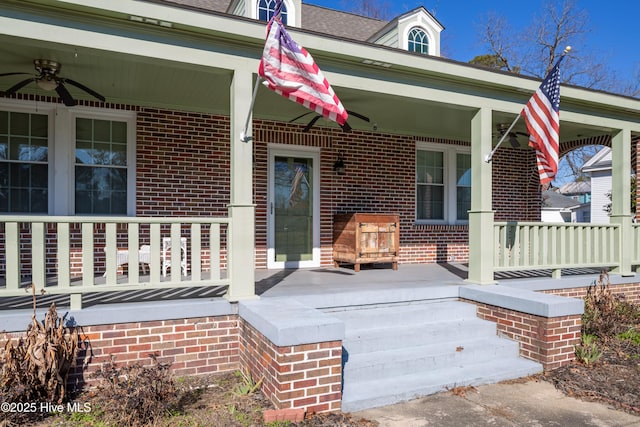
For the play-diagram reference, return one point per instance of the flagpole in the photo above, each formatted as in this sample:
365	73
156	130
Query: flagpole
504	135
490	155
243	135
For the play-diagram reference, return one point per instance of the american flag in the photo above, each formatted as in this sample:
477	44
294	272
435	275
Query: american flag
542	116
290	71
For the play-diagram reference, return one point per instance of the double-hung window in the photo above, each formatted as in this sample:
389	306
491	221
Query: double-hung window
66	161
443	184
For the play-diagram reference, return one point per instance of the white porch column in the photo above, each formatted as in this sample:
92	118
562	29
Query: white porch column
241	238
481	241
621	198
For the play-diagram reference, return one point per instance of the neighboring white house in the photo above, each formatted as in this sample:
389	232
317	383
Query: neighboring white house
599	168
560	208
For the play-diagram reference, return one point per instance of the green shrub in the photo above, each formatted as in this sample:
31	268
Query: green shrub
587	351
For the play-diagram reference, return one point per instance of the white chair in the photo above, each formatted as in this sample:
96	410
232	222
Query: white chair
122	257
166	255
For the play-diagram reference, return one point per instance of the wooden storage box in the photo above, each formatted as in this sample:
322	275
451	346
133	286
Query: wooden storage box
360	238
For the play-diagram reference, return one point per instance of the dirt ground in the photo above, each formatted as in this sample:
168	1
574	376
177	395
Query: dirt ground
614	379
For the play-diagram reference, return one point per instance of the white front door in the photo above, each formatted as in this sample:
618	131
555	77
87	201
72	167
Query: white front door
293	209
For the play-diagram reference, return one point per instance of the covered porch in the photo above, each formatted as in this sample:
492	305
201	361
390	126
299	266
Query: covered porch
416	98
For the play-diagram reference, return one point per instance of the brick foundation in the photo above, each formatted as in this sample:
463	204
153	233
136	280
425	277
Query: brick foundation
629	291
307	376
193	346
549	341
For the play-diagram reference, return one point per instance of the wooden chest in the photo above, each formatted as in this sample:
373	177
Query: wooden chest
361	238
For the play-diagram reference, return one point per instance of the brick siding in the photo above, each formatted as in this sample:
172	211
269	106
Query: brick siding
629	291
194	346
307	376
549	341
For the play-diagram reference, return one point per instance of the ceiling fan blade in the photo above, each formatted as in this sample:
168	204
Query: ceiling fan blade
345	127
11	74
19	86
358	115
64	94
84	88
311	123
300	116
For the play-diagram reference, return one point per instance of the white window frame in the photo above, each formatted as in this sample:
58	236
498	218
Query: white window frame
291	12
62	143
427	37
449	153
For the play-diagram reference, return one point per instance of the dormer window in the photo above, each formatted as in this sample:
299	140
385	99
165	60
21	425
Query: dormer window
266	8
418	41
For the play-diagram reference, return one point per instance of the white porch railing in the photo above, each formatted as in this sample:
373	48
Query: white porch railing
76	255
536	246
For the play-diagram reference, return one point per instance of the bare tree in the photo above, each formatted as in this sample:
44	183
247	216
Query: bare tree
536	48
372	8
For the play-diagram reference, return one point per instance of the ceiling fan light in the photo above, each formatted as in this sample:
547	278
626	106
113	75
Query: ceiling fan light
47	84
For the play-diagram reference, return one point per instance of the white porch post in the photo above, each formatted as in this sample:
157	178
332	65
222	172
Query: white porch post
481	239
621	198
241	238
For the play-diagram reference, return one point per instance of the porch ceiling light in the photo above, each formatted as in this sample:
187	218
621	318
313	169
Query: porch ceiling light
47	83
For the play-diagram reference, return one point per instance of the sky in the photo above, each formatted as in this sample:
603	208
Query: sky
611	25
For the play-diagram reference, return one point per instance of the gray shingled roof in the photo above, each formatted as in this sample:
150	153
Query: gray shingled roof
314	18
214	5
340	24
554	200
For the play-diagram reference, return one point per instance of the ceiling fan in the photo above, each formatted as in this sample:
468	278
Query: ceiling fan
47	79
313	121
502	128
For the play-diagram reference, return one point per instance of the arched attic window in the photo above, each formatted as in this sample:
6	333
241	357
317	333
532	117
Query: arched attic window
418	41
266	9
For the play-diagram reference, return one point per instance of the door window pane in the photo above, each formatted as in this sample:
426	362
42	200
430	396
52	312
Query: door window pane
293	200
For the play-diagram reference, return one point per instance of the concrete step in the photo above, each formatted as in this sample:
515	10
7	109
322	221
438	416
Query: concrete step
406	314
399	352
440	355
377	392
413	335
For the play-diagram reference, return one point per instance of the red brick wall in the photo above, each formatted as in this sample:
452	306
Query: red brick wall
307	376
549	341
629	291
192	346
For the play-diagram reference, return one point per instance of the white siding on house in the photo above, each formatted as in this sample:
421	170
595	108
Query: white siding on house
389	39
600	186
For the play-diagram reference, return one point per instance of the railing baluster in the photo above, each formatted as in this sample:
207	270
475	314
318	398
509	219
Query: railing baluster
111	252
196	252
176	255
64	255
12	255
156	263
214	250
38	255
88	255
133	254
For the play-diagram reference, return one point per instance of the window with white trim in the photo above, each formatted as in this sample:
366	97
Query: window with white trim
443	184
66	161
418	41
266	8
